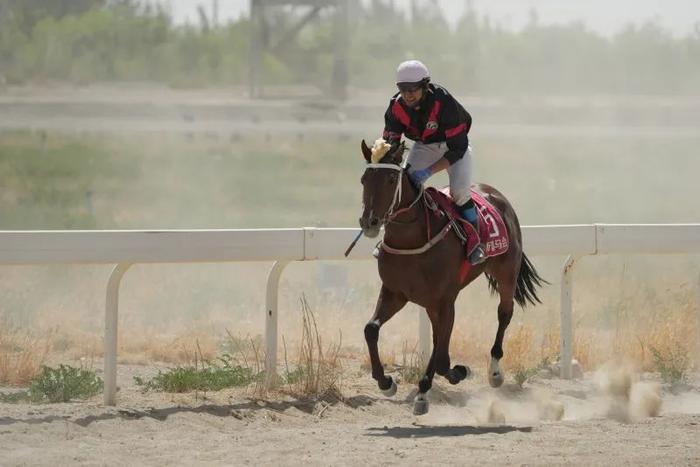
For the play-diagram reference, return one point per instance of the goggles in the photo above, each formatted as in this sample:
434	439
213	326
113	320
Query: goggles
409	87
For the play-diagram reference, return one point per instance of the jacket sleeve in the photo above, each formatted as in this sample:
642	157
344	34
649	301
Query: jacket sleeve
393	128
457	122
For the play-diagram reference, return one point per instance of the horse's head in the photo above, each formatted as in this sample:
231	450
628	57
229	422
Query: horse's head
381	184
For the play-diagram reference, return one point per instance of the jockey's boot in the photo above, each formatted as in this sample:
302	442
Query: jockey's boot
468	212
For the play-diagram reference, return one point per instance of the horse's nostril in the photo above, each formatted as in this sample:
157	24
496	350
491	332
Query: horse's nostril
374	222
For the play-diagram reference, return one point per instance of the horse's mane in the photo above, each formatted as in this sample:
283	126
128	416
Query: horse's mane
379	150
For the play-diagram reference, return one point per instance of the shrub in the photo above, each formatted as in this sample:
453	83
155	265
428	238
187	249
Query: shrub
672	363
63	384
210	377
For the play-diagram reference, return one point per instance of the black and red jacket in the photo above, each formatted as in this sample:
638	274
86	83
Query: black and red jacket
437	119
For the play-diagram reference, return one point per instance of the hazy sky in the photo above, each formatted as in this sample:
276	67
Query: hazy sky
605	16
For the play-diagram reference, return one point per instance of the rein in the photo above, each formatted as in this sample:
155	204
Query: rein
391	215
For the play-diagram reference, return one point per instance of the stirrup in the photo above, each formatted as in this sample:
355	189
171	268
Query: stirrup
477	256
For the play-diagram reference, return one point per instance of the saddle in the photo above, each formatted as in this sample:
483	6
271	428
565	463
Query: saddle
492	229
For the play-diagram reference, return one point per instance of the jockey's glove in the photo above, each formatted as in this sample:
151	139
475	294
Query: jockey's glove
420	176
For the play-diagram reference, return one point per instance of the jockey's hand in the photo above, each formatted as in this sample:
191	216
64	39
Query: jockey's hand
420	176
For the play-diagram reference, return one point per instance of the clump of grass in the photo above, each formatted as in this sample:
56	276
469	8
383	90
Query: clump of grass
318	372
222	373
413	364
61	384
64	383
521	374
21	356
672	363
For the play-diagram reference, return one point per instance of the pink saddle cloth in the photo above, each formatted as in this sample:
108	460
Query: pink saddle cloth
492	230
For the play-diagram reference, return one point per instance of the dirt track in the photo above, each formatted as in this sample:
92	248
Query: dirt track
364	429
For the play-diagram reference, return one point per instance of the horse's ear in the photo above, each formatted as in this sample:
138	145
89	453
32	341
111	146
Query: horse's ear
366	151
396	151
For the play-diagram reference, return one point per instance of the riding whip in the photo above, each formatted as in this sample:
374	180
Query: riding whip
352	245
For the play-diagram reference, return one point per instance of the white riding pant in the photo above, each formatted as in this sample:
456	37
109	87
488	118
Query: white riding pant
422	156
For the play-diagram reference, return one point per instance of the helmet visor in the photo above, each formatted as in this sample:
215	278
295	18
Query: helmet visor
409	87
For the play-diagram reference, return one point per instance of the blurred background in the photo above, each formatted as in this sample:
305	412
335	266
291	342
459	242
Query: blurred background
199	114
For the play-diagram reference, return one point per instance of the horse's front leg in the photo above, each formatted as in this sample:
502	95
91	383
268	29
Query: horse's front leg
420	402
505	313
388	304
442	319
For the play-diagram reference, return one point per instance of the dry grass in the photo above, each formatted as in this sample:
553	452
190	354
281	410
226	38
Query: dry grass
662	341
656	343
318	371
413	363
21	356
138	348
183	348
471	347
585	345
518	349
387	357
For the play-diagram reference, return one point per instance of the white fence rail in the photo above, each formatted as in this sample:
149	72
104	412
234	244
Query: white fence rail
124	248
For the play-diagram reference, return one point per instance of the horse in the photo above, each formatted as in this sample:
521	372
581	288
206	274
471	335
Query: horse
417	266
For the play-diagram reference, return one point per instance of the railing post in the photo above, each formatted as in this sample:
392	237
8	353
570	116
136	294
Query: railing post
697	328
424	339
567	331
271	296
111	334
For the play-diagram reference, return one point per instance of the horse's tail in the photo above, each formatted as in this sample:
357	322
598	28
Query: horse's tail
528	281
526	286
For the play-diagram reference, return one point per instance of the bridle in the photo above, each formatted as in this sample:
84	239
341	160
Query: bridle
396	200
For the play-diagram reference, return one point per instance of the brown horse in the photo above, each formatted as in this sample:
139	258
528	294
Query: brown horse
428	274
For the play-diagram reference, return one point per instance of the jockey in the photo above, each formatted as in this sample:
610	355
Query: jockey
429	115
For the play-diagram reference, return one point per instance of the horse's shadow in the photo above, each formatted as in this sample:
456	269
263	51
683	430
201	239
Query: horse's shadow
427	431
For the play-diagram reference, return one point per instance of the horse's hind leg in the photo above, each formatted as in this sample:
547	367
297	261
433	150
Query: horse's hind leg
388	304
506	289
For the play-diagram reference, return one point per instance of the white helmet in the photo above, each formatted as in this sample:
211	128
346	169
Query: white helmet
412	71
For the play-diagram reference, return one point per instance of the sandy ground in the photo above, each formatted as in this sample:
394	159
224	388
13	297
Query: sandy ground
467	424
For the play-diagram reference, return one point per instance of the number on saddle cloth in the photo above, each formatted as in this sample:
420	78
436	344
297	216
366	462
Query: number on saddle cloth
492	231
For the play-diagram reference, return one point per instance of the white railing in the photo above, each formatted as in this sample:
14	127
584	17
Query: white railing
282	246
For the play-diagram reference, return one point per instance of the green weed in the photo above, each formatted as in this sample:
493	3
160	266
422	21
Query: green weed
672	363
63	384
223	373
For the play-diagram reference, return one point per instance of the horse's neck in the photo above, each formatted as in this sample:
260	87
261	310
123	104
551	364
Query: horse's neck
409	228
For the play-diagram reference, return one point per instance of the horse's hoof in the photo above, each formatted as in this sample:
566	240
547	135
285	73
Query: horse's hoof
391	391
495	374
457	374
496	380
420	405
463	371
